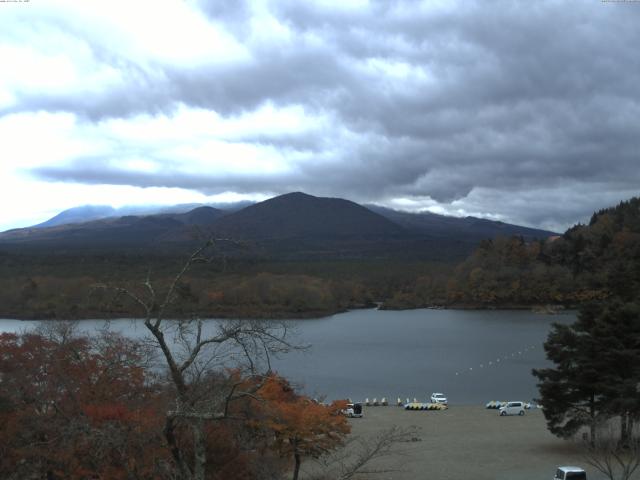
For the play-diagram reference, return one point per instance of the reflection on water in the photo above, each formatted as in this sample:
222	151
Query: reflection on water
472	356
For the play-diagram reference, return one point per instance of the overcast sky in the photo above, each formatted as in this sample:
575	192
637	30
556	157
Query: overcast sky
527	112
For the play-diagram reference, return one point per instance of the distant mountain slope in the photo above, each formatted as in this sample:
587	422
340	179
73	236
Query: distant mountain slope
81	214
200	216
113	232
300	215
88	213
472	227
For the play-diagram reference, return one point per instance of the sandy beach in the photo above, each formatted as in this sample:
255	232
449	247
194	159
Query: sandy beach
471	442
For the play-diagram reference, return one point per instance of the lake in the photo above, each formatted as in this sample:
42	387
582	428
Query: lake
473	356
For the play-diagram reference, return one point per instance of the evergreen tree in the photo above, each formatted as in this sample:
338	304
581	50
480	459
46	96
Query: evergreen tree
571	393
617	330
597	370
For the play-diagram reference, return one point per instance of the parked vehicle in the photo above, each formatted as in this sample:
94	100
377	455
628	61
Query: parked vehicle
438	398
570	473
512	408
353	410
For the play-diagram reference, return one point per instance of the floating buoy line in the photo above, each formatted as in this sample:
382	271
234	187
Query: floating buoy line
499	360
417	405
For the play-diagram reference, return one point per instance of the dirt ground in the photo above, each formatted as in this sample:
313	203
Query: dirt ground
468	442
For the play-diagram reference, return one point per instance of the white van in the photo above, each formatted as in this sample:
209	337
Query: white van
512	408
570	473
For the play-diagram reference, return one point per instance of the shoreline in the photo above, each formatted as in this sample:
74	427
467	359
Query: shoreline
309	315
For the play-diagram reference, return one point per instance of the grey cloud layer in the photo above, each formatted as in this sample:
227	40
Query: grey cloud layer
502	97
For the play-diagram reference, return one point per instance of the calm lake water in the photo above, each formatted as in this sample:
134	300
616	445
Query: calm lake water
472	356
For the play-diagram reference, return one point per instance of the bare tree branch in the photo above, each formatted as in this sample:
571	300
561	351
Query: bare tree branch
613	458
201	394
359	455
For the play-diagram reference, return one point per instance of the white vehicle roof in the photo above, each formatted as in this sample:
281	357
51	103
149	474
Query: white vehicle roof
571	469
438	394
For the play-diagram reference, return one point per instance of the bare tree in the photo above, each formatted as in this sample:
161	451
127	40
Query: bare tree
617	460
195	352
361	456
60	331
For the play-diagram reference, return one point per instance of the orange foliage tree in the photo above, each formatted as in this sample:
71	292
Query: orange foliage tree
301	426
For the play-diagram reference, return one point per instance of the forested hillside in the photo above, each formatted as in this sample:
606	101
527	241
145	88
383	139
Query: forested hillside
588	262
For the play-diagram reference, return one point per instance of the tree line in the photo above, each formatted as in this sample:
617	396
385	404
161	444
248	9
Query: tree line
64	288
587	263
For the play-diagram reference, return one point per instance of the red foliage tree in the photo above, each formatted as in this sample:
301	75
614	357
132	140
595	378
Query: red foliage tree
76	408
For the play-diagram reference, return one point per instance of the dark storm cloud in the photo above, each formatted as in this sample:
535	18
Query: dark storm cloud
481	102
99	175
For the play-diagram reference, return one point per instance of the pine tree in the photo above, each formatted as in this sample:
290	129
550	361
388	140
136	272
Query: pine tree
571	393
597	370
617	330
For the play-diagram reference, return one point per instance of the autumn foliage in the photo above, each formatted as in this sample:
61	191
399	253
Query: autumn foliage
75	407
301	427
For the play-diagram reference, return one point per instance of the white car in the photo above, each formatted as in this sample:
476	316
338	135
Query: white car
512	408
570	473
353	410
438	398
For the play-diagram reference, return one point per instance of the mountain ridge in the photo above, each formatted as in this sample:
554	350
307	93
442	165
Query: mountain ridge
434	224
88	213
293	225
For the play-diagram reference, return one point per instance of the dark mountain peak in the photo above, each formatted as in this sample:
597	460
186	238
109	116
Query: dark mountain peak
297	196
295	200
200	216
304	200
298	214
204	209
